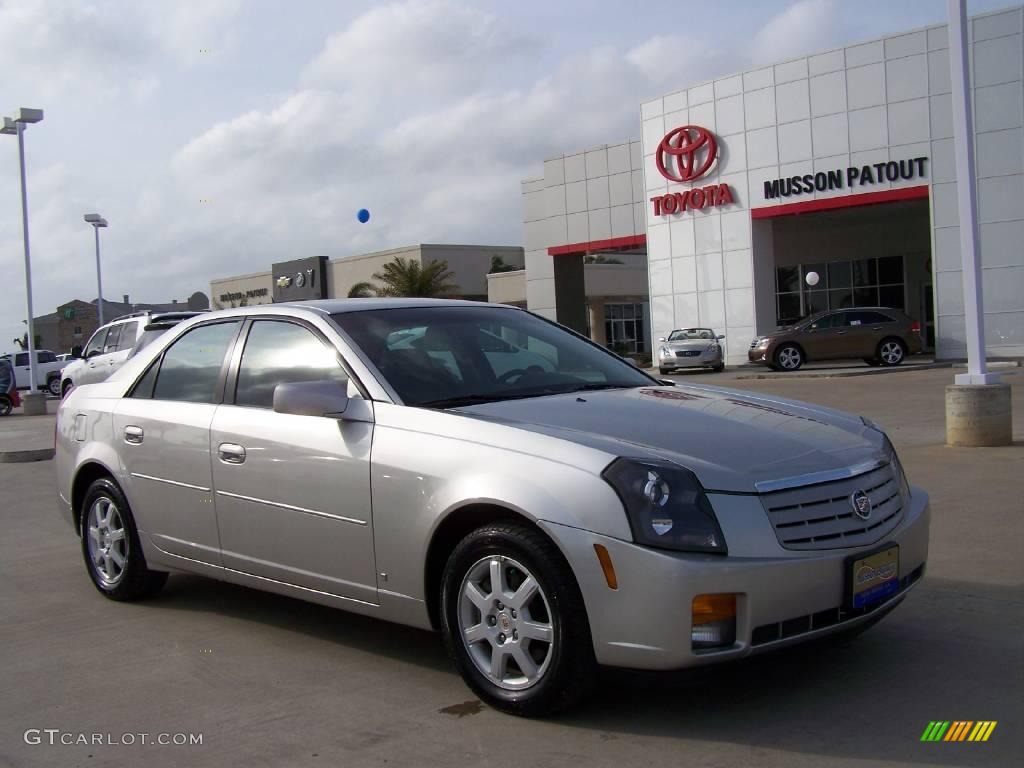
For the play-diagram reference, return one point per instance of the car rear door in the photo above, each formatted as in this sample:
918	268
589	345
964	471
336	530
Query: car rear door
90	370
163	433
293	492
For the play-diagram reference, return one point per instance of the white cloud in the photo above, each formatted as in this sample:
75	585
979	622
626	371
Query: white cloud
805	26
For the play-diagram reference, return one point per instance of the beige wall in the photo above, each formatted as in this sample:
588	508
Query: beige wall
507	287
242	284
469	263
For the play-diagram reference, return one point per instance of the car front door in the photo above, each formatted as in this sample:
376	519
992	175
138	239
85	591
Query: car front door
293	492
163	433
819	338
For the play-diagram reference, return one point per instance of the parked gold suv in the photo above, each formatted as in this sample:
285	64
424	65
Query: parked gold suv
878	335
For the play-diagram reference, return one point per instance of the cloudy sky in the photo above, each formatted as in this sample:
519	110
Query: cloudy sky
287	117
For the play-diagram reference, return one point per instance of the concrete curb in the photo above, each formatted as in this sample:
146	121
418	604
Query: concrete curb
841	373
20	457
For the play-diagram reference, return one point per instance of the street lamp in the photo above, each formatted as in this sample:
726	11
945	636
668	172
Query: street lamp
97	221
16	126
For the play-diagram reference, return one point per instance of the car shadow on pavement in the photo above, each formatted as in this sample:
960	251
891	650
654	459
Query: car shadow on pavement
947	653
407	644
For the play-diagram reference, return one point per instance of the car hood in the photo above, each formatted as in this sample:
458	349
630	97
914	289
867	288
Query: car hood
732	440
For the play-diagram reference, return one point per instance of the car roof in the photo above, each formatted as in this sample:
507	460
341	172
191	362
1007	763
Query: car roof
335	306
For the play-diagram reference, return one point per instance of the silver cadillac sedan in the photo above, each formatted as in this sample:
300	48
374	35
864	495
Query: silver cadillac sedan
481	471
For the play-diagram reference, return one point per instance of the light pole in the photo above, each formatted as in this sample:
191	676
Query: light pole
16	126
97	221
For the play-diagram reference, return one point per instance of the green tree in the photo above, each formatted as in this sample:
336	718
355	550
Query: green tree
363	290
498	265
407	277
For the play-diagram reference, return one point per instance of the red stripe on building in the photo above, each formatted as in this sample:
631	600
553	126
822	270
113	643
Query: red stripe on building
632	241
846	201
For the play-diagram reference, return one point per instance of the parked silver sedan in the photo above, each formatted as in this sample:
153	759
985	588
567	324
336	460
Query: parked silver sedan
546	519
690	348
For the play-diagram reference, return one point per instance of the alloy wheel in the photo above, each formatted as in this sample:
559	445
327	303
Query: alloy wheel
505	622
790	358
891	352
108	542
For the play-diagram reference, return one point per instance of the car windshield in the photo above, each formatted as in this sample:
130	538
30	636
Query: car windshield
461	355
689	334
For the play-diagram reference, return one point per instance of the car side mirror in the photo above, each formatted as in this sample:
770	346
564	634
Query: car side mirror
720	337
312	398
661	338
76	352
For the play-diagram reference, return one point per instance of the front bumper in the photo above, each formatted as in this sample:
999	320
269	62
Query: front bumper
783	596
703	360
758	355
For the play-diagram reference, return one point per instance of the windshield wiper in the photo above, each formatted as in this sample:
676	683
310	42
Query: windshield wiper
462	400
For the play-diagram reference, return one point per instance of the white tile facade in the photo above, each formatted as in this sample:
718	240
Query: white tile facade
878	101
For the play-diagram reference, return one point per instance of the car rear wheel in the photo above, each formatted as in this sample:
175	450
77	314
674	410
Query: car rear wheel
891	352
110	546
514	621
6	406
53	385
789	357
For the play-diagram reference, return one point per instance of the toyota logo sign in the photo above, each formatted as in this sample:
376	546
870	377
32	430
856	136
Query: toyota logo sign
686	153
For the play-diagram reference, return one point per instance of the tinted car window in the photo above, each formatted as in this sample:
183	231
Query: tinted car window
95	343
46	357
828	321
113	334
190	368
868	318
21	358
127	339
282	353
456	357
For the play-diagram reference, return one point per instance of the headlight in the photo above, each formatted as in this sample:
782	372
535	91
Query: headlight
666	506
712	348
665	352
762	343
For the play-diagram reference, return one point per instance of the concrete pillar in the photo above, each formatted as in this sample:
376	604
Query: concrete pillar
978	415
597	333
33	404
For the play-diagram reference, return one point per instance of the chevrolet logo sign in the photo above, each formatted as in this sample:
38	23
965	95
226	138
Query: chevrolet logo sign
284	282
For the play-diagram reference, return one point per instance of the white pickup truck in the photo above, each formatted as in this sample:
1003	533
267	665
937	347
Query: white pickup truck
48	369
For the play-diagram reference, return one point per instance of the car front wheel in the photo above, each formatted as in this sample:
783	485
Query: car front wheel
789	357
514	621
110	546
891	352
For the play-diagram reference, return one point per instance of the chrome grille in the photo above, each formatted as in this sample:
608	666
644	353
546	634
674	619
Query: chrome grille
821	516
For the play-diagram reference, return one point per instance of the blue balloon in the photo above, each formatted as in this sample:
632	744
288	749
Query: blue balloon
363	215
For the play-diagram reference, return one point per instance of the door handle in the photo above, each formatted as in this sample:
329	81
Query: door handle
230	453
133	435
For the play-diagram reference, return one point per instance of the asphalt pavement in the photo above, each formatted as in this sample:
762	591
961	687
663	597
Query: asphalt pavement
271	681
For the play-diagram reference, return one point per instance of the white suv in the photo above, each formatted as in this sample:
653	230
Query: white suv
113	343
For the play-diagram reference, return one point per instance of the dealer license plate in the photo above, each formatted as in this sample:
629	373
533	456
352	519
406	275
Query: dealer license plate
875	577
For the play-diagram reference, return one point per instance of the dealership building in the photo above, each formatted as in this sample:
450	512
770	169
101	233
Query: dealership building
822	182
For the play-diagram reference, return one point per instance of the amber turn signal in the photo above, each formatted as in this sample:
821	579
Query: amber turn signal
606	565
708	609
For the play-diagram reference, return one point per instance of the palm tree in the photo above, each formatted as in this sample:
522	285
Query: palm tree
407	277
361	290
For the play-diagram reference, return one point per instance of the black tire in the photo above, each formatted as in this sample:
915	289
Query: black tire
788	357
135	580
718	368
891	352
65	388
571	669
6	406
53	385
872	361
664	371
